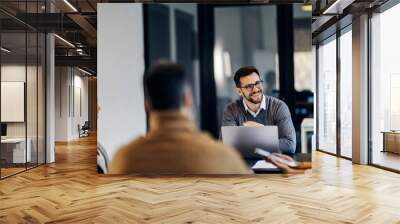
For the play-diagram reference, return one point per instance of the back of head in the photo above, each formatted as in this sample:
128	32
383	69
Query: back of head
164	85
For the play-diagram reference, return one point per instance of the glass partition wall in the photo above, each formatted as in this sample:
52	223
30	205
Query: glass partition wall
385	89
326	95
334	95
346	72
22	77
177	24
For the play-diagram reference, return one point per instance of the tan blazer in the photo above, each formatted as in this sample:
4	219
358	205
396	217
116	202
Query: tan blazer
174	146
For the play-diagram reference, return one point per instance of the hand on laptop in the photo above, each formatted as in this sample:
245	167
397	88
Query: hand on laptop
282	166
252	124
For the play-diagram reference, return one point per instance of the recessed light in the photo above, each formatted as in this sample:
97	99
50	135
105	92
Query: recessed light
70	5
84	71
65	41
5	50
306	8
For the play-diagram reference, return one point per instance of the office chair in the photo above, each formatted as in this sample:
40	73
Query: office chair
102	159
84	130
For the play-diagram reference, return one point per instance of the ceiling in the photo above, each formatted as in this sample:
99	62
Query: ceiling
75	21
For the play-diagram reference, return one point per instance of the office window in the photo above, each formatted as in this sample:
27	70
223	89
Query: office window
327	95
346	92
385	88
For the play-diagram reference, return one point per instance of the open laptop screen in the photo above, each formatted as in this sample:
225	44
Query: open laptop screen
246	139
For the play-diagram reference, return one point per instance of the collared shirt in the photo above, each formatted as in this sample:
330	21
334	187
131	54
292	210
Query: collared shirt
262	107
276	113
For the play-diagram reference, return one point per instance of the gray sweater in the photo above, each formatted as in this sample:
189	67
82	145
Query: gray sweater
276	113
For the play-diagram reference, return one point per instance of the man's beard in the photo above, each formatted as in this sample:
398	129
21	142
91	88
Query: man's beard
254	100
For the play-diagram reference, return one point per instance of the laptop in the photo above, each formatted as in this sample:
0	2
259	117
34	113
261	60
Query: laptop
246	139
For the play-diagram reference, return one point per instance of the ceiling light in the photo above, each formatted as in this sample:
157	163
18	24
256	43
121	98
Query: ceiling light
306	8
338	6
331	7
84	71
70	5
5	50
65	41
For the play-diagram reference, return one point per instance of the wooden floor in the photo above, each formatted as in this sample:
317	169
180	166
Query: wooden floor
10	171
387	159
70	191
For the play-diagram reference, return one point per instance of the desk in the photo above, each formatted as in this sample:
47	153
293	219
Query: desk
15	148
298	157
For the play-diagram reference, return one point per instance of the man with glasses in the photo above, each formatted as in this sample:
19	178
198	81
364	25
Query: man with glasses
256	109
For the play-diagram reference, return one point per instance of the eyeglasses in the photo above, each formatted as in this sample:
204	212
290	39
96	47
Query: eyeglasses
249	87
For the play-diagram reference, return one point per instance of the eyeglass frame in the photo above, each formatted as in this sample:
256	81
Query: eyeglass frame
252	85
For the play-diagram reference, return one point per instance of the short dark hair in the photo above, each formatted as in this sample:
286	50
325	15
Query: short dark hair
242	72
164	85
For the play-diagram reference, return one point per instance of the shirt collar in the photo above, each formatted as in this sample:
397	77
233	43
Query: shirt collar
263	106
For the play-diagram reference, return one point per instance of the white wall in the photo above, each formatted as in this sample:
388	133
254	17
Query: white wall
67	115
61	104
79	117
120	64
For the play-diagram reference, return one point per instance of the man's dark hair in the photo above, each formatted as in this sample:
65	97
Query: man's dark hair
242	72
164	85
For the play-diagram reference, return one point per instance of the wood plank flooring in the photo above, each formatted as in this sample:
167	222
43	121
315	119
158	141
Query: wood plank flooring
387	159
70	191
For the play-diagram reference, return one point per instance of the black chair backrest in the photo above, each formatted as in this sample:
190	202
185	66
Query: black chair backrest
86	125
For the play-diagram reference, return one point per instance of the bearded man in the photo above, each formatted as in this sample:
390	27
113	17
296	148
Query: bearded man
256	109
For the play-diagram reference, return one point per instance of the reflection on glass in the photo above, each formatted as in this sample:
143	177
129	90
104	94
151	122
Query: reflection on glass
177	24
302	49
22	91
327	96
41	98
14	150
346	94
31	101
303	78
385	84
